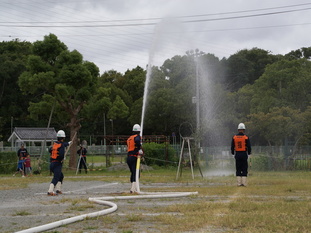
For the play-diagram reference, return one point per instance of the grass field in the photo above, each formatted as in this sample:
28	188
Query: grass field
272	202
102	159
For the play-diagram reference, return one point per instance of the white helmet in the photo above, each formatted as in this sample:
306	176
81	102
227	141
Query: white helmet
136	127
61	134
241	126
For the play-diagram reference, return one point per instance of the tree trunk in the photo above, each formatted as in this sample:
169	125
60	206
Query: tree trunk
74	128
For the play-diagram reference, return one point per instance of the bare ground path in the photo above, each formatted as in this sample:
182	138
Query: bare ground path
218	201
30	207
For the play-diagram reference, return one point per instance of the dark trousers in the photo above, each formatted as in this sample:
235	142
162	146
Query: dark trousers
131	162
56	168
82	163
241	163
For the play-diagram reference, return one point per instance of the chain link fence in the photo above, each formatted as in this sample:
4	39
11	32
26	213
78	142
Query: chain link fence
263	158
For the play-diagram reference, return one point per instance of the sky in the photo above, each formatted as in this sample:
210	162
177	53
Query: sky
123	34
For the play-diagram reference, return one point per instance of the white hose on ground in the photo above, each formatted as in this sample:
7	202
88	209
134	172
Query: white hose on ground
66	221
144	195
103	201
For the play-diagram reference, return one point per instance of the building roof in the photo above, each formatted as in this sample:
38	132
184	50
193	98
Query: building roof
32	134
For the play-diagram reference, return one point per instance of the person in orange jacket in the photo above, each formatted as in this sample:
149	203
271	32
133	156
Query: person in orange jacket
241	149
134	149
56	163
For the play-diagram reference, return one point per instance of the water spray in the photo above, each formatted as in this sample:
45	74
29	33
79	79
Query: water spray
103	200
145	96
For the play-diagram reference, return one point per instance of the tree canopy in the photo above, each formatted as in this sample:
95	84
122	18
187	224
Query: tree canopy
61	77
270	93
13	104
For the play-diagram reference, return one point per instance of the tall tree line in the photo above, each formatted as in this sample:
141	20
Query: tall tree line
270	93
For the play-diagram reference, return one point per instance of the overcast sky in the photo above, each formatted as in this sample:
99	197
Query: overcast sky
123	34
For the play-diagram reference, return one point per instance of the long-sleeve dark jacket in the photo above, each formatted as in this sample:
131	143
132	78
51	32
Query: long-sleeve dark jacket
82	151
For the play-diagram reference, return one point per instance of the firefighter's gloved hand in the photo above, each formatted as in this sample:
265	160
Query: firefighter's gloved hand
140	152
70	142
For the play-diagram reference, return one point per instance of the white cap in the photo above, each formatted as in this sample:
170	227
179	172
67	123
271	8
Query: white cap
61	134
136	127
241	126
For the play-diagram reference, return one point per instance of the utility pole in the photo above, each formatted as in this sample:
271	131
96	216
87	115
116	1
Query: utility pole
12	124
105	131
197	96
198	129
111	126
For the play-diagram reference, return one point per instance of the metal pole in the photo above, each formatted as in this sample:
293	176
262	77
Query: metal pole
111	126
46	134
78	163
180	157
11	125
189	149
105	131
197	98
197	140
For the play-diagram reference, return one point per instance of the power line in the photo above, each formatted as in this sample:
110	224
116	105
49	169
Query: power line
119	47
170	32
246	16
178	17
151	23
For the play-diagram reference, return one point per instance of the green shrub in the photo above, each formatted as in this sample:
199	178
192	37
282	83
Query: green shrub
160	154
265	162
260	163
302	164
8	162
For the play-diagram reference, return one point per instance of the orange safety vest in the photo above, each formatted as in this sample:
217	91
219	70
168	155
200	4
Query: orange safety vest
131	143
240	142
55	150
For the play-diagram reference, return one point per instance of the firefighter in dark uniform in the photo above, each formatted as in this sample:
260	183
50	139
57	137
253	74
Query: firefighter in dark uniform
241	148
82	153
134	149
56	163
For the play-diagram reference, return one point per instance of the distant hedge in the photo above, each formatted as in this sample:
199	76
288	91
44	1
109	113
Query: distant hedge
8	162
160	154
